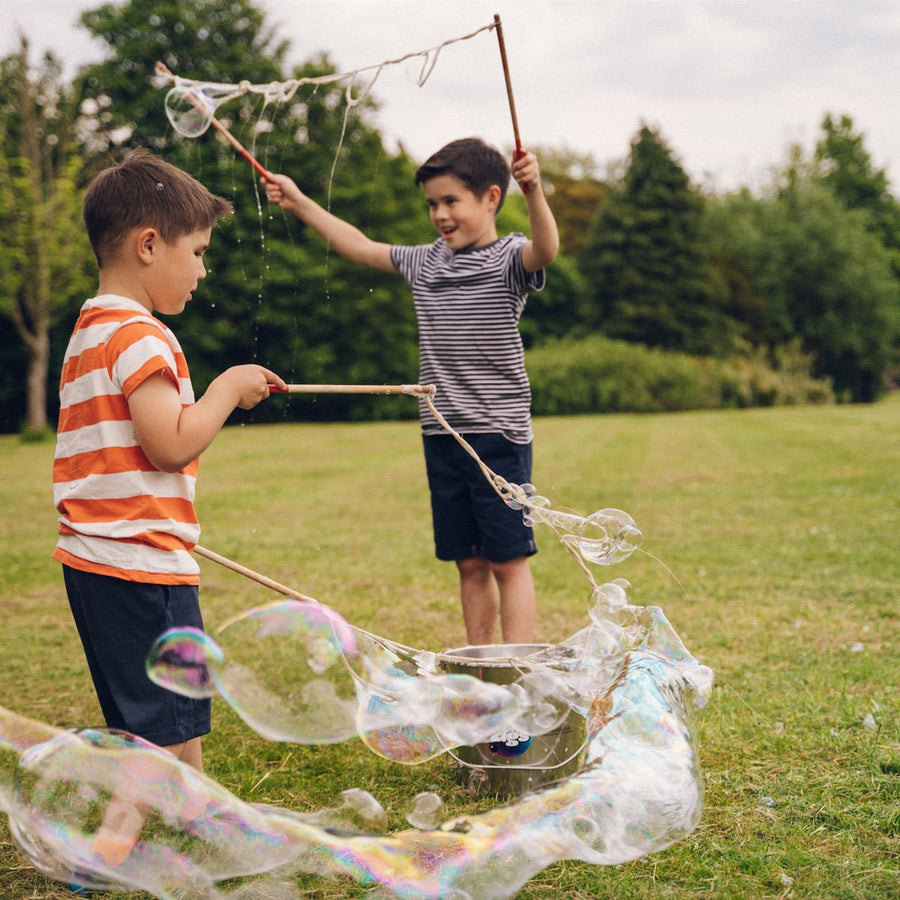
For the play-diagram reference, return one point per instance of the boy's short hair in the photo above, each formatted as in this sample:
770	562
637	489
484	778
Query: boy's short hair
476	164
145	191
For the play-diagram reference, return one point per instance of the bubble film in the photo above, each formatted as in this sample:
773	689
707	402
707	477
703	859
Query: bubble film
638	790
189	110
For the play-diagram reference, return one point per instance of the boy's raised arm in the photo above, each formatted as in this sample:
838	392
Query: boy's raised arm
541	250
346	239
172	436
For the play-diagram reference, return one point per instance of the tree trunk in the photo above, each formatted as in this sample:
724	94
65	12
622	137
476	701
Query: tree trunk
36	387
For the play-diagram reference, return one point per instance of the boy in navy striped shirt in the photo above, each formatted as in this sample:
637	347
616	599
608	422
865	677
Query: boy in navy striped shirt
470	288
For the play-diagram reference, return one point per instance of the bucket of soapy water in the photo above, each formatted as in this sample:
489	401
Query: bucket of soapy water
511	763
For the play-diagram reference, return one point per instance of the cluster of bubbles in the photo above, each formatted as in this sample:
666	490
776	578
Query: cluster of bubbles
605	537
300	672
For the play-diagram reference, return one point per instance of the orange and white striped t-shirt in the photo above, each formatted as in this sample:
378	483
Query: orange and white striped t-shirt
119	515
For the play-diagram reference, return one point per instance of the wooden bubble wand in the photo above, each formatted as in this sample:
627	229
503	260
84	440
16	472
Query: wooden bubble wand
519	152
162	69
353	389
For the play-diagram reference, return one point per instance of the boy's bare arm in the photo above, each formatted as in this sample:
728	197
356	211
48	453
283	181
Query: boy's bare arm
172	436
541	250
346	239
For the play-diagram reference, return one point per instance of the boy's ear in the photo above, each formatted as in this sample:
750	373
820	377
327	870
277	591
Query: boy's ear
146	240
494	193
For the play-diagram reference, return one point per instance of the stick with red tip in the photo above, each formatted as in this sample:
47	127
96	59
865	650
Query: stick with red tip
509	91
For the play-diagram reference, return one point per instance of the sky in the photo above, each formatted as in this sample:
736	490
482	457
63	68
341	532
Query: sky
729	84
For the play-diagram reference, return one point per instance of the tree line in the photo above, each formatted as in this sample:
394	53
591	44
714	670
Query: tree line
805	268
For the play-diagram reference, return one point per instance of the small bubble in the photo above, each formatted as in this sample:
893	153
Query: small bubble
424	813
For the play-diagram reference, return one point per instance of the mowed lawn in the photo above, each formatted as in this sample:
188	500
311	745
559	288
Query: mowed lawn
772	545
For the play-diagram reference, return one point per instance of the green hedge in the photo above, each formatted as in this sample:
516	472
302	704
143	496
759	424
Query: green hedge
601	375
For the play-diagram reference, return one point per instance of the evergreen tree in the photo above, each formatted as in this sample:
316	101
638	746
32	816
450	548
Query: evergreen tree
645	264
842	163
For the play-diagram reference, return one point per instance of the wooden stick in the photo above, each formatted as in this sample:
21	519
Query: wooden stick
354	389
164	70
253	576
509	91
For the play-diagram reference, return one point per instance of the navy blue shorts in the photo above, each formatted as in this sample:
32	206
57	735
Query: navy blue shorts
469	517
118	621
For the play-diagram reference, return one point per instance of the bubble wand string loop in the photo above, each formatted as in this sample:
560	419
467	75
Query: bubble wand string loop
162	69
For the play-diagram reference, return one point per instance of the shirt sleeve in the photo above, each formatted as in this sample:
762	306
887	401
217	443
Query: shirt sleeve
521	281
409	261
138	350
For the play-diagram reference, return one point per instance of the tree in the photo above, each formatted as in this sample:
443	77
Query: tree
276	295
810	269
645	263
44	251
843	165
574	192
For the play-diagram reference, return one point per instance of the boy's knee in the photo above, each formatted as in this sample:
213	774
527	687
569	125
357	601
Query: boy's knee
474	567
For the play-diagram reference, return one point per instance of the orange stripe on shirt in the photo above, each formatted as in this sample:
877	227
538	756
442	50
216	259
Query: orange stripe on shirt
129	509
108	408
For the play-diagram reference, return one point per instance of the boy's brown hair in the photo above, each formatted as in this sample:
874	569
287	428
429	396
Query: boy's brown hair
145	191
476	164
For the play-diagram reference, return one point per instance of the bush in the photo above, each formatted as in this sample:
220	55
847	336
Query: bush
601	375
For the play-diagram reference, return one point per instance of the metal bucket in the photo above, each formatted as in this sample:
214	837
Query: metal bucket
512	764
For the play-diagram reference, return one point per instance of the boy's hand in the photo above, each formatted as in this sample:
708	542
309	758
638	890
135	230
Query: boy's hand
171	435
250	384
282	191
526	171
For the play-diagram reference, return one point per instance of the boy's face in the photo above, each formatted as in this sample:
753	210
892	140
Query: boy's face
462	219
176	270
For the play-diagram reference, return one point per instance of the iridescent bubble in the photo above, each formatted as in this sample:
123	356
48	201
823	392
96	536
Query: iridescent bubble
281	666
190	110
606	537
182	661
637	791
532	512
424	812
609	596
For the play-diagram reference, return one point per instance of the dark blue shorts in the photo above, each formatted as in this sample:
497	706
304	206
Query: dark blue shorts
118	621
469	517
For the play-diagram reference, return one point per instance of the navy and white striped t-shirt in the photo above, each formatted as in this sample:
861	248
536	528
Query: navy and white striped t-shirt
468	306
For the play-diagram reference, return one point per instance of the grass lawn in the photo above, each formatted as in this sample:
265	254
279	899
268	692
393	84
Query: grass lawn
774	542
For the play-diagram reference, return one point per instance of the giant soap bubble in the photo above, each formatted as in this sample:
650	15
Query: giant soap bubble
637	791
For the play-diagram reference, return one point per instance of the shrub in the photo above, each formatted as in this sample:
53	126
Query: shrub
596	374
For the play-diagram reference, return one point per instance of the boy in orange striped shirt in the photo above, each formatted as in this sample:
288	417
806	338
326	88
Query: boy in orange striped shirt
128	440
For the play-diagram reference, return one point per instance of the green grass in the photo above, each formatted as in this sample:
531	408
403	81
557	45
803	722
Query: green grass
779	526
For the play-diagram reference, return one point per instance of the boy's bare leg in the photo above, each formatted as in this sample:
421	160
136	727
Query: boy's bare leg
488	588
518	606
480	598
124	818
190	752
